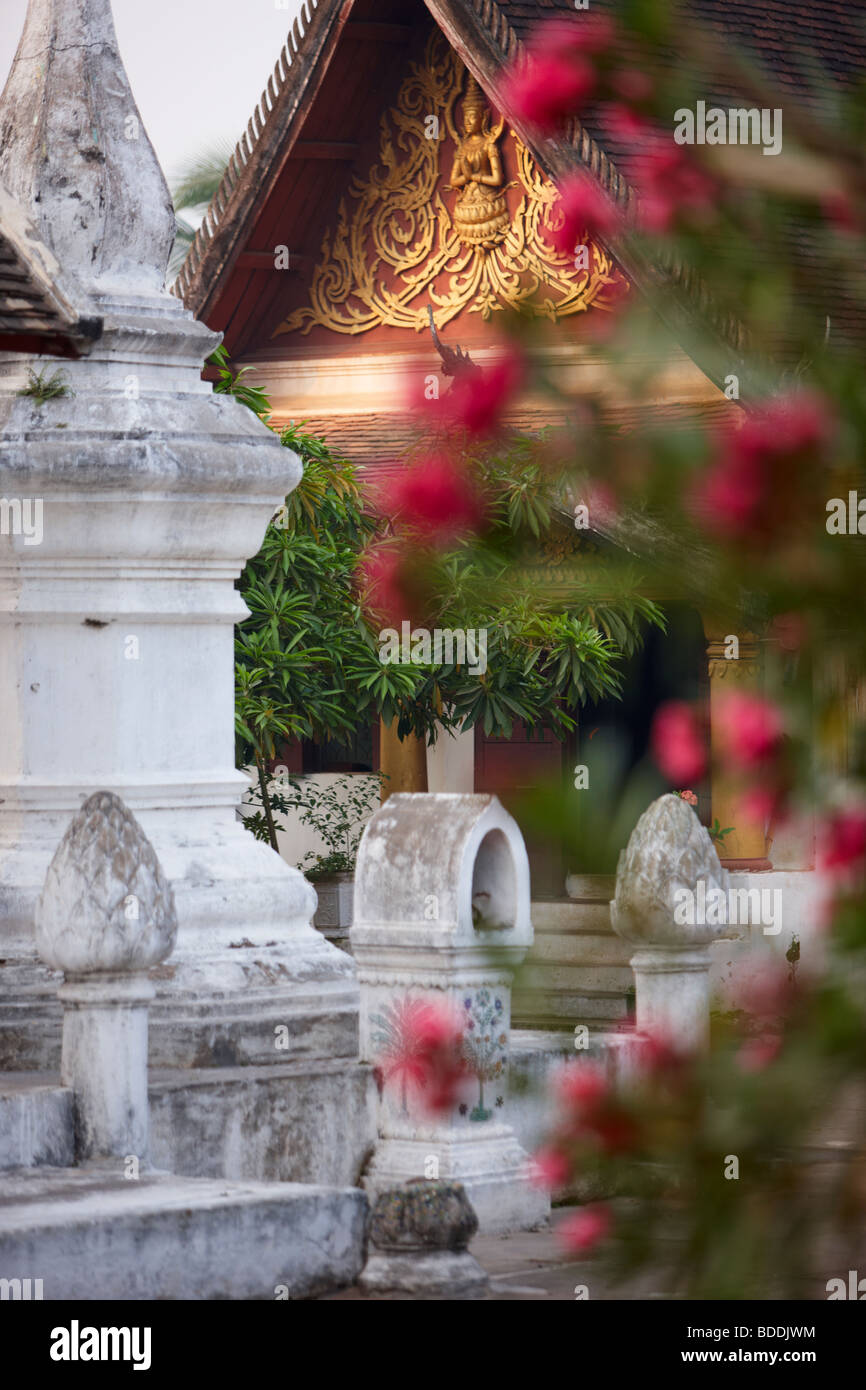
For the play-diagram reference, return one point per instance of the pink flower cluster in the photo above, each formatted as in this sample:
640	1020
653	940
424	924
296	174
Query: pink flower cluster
752	729
432	503
679	742
674	189
842	842
750	745
560	75
476	402
438	498
759	465
592	1117
428	1060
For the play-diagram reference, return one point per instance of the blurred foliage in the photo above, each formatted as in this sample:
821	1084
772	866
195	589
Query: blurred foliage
781	250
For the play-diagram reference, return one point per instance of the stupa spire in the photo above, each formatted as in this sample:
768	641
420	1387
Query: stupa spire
74	152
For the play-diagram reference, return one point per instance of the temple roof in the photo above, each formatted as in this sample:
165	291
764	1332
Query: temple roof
37	312
331	82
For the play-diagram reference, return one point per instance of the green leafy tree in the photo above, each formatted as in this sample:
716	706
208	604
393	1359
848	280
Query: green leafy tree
308	659
192	192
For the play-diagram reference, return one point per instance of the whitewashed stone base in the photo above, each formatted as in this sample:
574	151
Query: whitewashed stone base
88	1234
492	1167
428	1275
673	995
247	961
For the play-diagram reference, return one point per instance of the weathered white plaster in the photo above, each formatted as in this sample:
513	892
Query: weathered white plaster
94	1235
116	632
442	913
451	763
669	853
106	916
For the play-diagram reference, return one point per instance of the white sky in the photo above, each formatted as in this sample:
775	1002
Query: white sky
197	67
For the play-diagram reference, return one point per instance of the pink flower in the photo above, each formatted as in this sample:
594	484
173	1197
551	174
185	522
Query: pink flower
659	1056
751	728
586	211
839	211
752	488
673	188
601	501
765	803
790	630
678	743
583	1231
476	402
633	85
728	498
842	840
549	89
761	987
437	497
756	1054
424	1055
689	797
549	1169
590	33
382	578
581	1083
627	126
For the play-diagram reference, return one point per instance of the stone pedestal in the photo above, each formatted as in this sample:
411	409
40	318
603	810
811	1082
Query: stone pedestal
104	1063
419	1236
673	994
667	876
442	914
105	916
116	630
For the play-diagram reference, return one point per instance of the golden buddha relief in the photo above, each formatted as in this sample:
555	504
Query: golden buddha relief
397	248
481	216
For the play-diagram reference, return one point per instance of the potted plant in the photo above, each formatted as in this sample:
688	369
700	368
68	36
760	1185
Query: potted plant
338	811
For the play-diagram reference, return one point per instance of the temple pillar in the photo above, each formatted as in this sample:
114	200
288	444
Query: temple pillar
732	667
402	761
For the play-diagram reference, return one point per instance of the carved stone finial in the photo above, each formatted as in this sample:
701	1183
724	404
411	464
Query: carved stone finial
74	152
668	850
423	1215
106	905
418	1239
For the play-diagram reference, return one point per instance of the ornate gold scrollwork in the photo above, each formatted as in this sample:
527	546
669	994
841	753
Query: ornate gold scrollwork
400	247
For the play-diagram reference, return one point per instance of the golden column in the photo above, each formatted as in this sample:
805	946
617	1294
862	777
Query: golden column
403	761
734	663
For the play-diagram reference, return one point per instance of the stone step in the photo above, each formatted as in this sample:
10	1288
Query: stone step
88	1234
544	1008
571	917
582	948
565	976
577	967
35	1121
312	1121
301	1121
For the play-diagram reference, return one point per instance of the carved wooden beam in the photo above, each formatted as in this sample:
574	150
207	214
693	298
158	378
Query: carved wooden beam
265	260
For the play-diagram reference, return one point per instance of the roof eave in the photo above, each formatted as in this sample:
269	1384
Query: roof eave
261	153
39	314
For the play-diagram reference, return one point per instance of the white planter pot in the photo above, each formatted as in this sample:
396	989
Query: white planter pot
333	917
